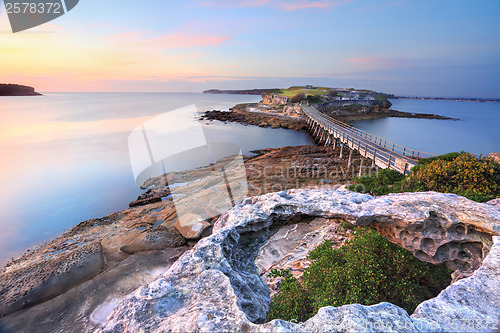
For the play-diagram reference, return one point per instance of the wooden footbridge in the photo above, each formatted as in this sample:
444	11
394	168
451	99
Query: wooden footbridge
384	154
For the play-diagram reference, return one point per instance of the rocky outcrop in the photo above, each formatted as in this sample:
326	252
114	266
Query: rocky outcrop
192	231
495	157
86	306
155	238
289	247
216	285
256	118
274	99
34	284
17	90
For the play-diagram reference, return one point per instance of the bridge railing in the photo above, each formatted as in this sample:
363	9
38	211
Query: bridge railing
334	124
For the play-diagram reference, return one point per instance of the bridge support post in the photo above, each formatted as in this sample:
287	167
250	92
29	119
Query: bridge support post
341	150
374	157
349	162
328	140
361	166
334	142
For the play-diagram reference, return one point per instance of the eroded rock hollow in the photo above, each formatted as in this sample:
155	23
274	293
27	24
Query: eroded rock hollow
217	287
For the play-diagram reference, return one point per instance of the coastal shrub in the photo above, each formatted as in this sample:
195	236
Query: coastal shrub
383	182
314	98
474	177
298	97
465	174
367	270
292	302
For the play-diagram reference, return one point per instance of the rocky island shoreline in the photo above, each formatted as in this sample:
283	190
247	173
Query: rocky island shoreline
17	90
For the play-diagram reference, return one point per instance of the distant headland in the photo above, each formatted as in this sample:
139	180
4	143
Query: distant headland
17	90
456	99
238	92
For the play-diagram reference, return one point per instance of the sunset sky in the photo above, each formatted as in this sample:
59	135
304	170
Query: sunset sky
426	48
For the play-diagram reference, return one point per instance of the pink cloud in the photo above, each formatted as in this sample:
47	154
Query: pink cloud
283	5
365	60
374	61
174	40
234	3
186	40
305	4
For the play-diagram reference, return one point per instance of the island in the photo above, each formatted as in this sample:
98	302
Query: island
141	269
343	104
17	90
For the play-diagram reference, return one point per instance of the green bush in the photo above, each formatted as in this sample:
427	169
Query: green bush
383	182
292	302
465	174
367	270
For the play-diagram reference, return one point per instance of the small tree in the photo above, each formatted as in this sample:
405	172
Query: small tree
333	94
297	98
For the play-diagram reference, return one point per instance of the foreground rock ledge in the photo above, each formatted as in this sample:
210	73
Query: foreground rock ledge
216	286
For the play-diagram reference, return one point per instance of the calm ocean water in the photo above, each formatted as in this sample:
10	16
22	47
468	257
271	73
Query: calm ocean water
65	157
477	131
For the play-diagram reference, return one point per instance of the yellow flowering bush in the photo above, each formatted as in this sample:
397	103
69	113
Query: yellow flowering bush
474	177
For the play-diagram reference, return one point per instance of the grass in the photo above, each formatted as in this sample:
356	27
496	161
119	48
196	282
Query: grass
290	92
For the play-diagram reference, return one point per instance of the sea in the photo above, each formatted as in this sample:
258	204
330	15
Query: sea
67	157
476	130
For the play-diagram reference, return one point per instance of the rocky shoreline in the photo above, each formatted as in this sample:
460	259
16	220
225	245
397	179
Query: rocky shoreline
76	275
288	117
256	118
17	90
74	282
386	114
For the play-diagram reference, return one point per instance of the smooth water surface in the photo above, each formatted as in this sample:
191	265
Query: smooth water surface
477	130
65	157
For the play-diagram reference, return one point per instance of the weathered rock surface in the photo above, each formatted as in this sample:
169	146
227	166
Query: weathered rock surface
192	231
494	202
85	307
155	238
31	285
150	196
151	227
288	248
262	119
495	156
216	285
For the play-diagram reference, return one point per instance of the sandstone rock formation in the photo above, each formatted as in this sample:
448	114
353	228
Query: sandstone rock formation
495	156
216	285
30	285
151	227
86	306
262	119
192	231
288	248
